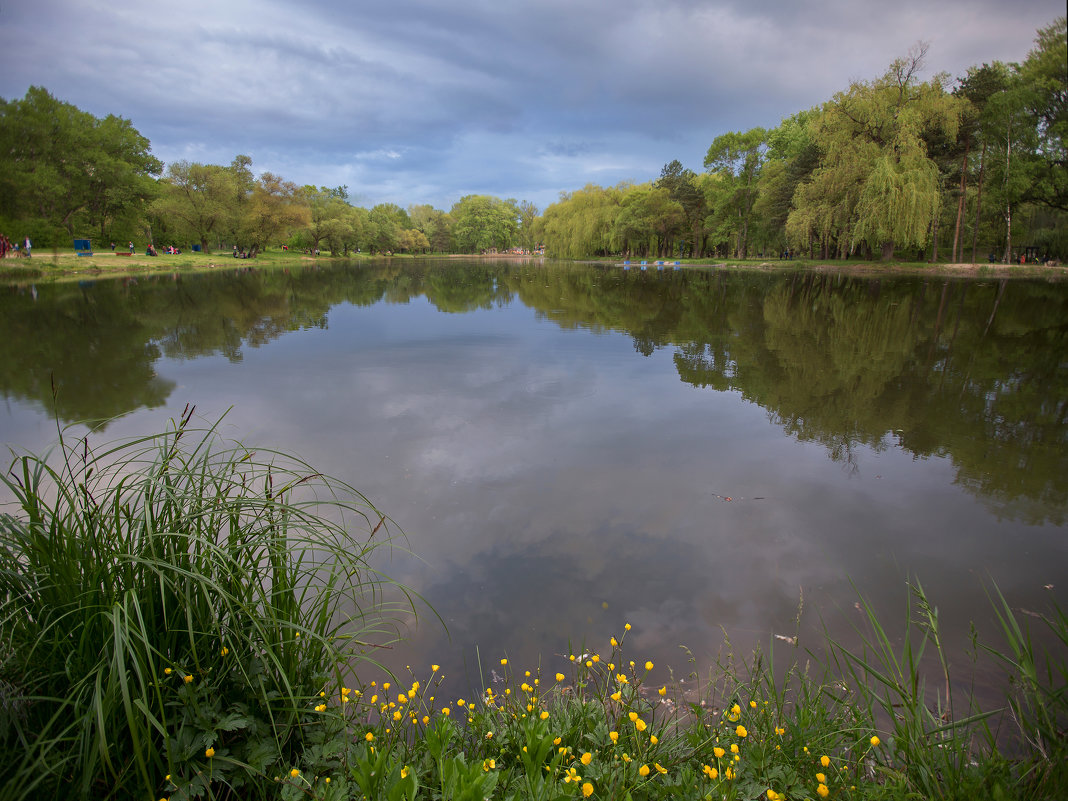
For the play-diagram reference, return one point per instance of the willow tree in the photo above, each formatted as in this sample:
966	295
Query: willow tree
580	223
874	157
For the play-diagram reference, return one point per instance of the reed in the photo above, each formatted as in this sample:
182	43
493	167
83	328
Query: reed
173	605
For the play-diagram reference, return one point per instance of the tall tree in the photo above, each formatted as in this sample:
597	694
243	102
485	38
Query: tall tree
200	199
874	154
483	222
681	185
738	157
62	169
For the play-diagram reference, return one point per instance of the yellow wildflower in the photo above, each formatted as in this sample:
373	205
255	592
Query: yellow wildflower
559	676
209	753
660	768
613	736
643	770
587	790
435	668
822	791
648	665
825	760
740	731
294	773
875	741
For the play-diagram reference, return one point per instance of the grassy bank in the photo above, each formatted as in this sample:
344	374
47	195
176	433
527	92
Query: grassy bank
188	618
65	265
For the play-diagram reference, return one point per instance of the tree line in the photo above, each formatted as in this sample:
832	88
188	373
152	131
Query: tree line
965	170
971	169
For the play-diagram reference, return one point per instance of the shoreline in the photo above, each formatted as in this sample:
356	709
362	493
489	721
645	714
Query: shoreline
56	266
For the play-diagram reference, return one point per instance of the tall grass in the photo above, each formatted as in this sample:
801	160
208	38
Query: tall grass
172	606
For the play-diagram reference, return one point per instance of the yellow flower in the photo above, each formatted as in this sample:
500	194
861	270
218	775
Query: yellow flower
639	724
626	626
648	665
734	748
825	760
572	776
821	778
397	715
728	774
167	671
614	642
719	752
772	795
559	676
504	661
822	791
435	668
402	698
209	753
595	658
460	702
188	679
663	690
589	663
224	651
544	714
489	735
489	764
875	741
643	770
752	704
653	740
385	685
740	731
660	768
587	790
320	708
404	772
613	736
710	771
294	773
586	758
616	695
556	741
633	716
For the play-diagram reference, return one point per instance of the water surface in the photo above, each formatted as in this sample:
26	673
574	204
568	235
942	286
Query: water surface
569	448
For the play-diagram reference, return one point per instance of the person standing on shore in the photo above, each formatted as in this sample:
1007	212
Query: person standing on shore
28	246
131	247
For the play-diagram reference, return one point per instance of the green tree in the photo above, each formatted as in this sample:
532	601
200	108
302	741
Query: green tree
63	171
199	200
648	221
875	165
681	185
484	222
737	158
581	223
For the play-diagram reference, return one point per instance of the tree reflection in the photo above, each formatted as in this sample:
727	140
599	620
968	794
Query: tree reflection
968	370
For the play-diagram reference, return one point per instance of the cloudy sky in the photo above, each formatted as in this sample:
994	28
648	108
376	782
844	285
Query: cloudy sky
421	101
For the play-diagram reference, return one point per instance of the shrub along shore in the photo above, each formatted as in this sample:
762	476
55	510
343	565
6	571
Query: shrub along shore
185	617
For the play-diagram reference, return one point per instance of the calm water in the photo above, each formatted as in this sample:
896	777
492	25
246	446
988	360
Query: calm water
568	447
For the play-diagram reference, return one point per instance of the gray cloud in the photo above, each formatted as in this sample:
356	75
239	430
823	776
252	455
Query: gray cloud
416	102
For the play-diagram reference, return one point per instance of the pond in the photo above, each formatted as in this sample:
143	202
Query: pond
569	448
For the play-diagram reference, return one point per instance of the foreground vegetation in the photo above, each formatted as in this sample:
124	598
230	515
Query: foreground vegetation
184	618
